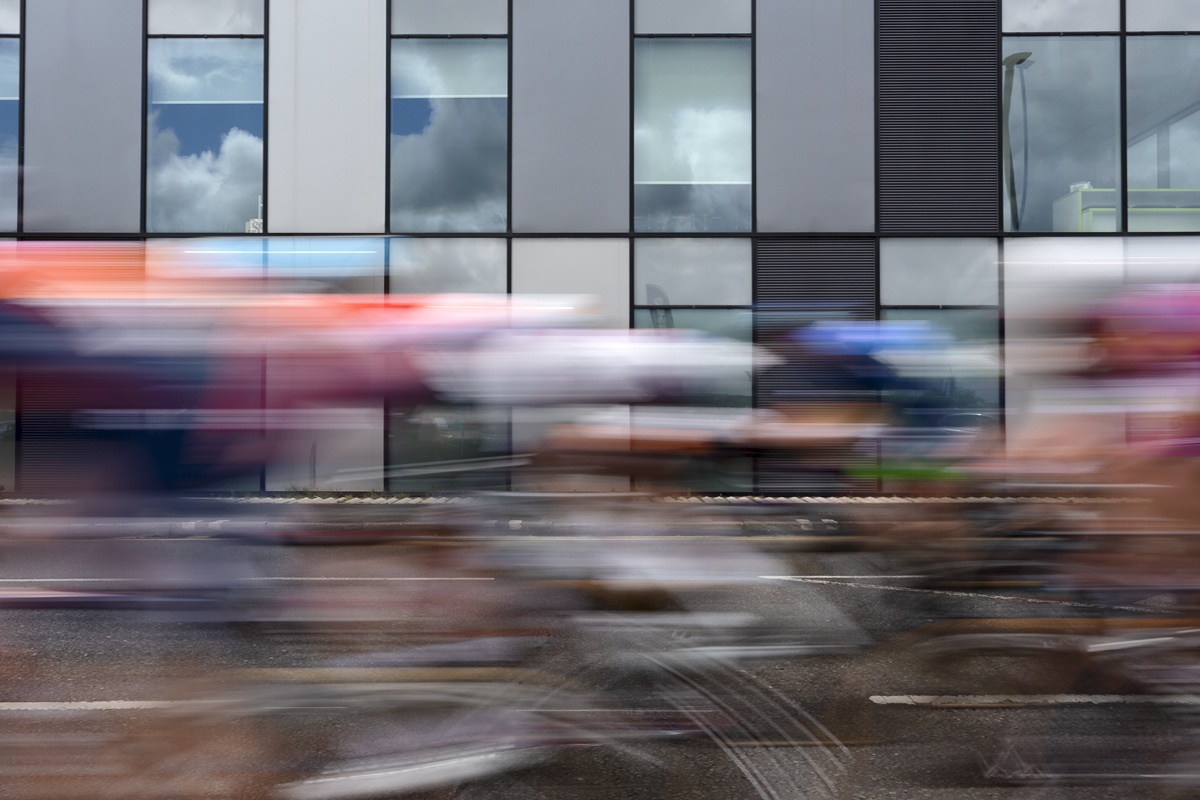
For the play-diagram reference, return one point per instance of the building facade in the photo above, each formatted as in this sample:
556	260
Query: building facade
961	161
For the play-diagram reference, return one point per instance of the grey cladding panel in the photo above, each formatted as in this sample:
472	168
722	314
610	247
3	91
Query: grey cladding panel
939	117
570	116
83	116
816	115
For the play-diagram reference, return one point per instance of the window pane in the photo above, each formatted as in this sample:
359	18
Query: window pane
1060	153
1162	15
931	272
1163	95
449	16
326	264
419	438
692	135
10	129
692	16
1053	16
449	135
10	16
420	266
966	377
206	16
205	135
700	272
730	324
1162	259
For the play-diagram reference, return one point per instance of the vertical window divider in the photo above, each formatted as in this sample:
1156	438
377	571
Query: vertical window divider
632	89
1001	340
753	116
21	128
387	100
144	227
508	224
266	117
1001	122
754	343
1123	135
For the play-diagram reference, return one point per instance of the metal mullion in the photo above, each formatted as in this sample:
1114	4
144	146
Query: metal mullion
266	114
933	307
387	151
753	117
207	35
1001	333
145	190
1122	136
700	35
508	221
17	379
21	124
754	482
1059	34
878	180
454	35
1000	122
684	307
632	89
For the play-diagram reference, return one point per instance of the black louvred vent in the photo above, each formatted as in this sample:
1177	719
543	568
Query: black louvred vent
798	281
939	126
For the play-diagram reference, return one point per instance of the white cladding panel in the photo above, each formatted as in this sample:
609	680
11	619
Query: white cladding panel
326	116
596	267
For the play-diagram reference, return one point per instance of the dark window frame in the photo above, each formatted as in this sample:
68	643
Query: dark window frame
146	37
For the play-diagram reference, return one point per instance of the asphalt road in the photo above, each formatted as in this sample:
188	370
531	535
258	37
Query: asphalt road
99	683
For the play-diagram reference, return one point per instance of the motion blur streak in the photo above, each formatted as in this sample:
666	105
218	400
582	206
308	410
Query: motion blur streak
545	567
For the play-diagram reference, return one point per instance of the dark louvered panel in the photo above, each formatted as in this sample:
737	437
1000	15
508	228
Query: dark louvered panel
837	270
799	281
49	442
939	126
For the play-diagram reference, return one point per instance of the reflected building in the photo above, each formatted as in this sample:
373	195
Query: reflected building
731	166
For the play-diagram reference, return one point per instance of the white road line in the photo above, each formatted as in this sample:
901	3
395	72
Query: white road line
1003	598
1031	699
134	580
845	577
94	705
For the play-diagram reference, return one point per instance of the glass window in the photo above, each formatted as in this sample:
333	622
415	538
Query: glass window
204	135
449	17
595	267
1163	114
692	16
932	272
10	17
727	323
197	17
1060	103
965	377
1162	15
1055	16
327	263
1053	274
692	134
422	439
1162	259
449	135
421	266
692	272
10	129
